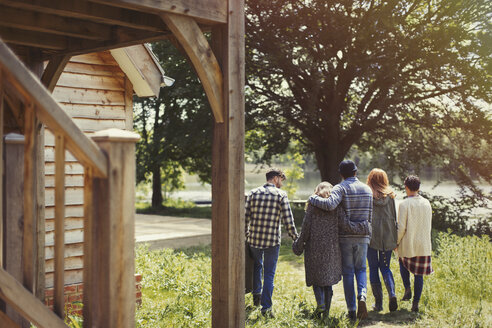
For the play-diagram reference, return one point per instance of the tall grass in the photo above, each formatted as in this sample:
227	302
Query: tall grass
176	290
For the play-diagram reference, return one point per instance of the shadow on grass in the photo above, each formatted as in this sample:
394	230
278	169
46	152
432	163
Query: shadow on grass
401	317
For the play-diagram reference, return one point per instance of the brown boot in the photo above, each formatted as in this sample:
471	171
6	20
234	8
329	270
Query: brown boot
408	294
362	309
415	306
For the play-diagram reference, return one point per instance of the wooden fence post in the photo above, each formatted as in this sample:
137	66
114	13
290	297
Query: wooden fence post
111	266
14	213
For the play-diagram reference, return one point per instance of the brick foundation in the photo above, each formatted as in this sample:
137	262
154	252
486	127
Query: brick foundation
74	295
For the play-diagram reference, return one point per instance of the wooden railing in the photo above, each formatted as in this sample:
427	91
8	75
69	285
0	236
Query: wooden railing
109	297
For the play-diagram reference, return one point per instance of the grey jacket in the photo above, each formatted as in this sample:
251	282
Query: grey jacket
384	225
319	240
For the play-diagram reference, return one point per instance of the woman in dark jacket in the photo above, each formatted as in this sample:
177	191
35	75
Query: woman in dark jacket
322	257
383	240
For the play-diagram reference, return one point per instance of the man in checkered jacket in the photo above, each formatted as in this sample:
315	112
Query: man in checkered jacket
266	207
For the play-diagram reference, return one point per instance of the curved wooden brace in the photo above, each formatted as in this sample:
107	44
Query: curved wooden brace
189	35
53	71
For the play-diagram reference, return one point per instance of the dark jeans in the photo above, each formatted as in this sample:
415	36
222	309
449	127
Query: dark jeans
418	282
323	294
380	261
266	261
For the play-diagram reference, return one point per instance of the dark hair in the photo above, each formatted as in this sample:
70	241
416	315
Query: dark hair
412	182
347	169
274	172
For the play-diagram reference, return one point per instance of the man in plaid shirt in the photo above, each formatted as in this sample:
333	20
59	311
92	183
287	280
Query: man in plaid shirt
266	206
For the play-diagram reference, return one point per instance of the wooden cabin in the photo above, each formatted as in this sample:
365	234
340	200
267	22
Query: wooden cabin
35	32
96	91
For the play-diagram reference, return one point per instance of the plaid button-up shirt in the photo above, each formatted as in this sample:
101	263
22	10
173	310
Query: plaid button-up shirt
266	206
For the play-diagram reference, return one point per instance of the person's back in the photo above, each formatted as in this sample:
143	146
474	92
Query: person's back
414	227
354	234
266	207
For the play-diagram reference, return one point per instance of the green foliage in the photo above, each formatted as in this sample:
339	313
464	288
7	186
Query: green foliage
176	207
337	74
176	288
175	128
294	161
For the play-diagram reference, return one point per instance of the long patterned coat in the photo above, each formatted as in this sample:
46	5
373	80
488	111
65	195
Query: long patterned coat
319	241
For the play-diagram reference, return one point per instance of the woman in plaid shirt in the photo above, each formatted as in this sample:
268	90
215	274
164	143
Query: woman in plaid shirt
414	240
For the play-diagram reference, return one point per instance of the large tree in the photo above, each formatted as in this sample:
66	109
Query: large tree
175	127
335	74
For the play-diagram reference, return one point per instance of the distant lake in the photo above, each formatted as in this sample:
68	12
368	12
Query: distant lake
196	191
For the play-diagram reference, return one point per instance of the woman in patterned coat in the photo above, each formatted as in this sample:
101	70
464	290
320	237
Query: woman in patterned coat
322	257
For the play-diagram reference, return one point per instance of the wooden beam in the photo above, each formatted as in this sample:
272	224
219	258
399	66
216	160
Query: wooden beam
120	39
53	71
34	39
91	11
50	112
59	305
112	266
5	321
211	11
12	292
28	245
195	44
14	213
228	237
53	24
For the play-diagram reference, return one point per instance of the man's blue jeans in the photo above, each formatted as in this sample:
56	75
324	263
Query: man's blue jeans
380	260
266	261
418	282
354	263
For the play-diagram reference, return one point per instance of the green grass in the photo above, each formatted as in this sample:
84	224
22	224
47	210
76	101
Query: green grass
176	290
176	208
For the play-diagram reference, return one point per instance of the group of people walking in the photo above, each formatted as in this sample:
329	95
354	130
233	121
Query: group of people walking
344	225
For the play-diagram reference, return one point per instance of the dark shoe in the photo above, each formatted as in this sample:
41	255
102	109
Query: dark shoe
408	294
377	291
415	306
318	313
351	315
362	309
390	287
256	299
267	313
393	304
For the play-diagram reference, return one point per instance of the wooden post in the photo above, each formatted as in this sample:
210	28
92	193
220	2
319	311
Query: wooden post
228	176
59	225
29	236
14	213
112	230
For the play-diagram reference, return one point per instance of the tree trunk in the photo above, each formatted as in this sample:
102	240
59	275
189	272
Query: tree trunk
156	187
328	161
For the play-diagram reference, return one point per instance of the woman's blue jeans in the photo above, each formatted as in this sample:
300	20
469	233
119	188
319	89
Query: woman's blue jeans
322	295
266	261
380	261
418	282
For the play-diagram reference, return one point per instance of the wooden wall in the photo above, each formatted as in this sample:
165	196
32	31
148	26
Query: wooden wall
97	95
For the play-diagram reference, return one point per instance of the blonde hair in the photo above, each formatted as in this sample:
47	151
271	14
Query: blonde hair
378	181
322	190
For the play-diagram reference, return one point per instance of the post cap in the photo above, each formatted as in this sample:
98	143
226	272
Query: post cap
115	135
